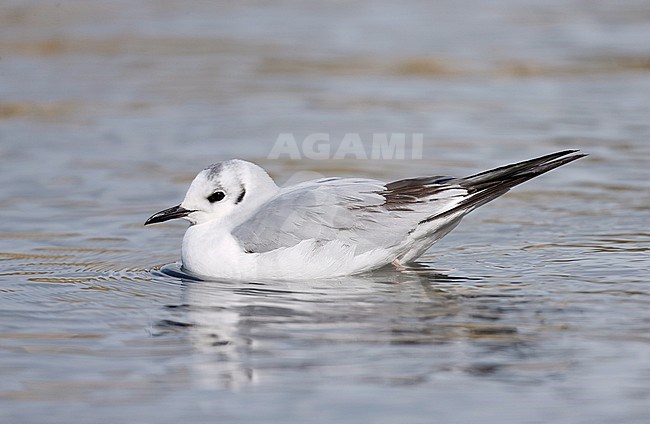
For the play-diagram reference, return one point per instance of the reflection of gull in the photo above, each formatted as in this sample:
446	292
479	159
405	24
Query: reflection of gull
244	226
244	333
357	328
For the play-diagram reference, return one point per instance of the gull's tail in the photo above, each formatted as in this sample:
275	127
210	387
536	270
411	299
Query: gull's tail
488	185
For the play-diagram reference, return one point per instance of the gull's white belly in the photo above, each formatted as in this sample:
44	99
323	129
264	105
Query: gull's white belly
213	252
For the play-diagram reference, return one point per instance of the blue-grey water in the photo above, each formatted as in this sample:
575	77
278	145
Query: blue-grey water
535	310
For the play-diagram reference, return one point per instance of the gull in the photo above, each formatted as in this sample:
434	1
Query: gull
243	226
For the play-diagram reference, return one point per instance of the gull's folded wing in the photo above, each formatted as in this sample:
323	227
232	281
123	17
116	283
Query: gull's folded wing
362	212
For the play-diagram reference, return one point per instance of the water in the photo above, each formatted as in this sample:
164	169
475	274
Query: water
534	310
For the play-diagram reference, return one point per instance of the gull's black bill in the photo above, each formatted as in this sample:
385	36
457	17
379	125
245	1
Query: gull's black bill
167	214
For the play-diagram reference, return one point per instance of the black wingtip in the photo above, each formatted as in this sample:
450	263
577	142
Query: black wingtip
562	160
488	185
535	164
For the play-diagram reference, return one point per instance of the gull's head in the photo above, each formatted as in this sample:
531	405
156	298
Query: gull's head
228	191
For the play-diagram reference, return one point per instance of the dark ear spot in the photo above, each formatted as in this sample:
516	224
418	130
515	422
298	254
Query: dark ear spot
241	195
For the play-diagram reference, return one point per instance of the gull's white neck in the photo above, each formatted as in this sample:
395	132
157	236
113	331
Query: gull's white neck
208	245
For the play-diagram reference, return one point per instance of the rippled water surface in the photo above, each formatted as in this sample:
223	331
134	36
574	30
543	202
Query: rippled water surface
536	309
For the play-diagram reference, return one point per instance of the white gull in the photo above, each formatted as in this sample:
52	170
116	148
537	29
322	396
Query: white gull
243	226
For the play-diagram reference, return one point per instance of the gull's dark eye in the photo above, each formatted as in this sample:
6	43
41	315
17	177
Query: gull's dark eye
216	196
